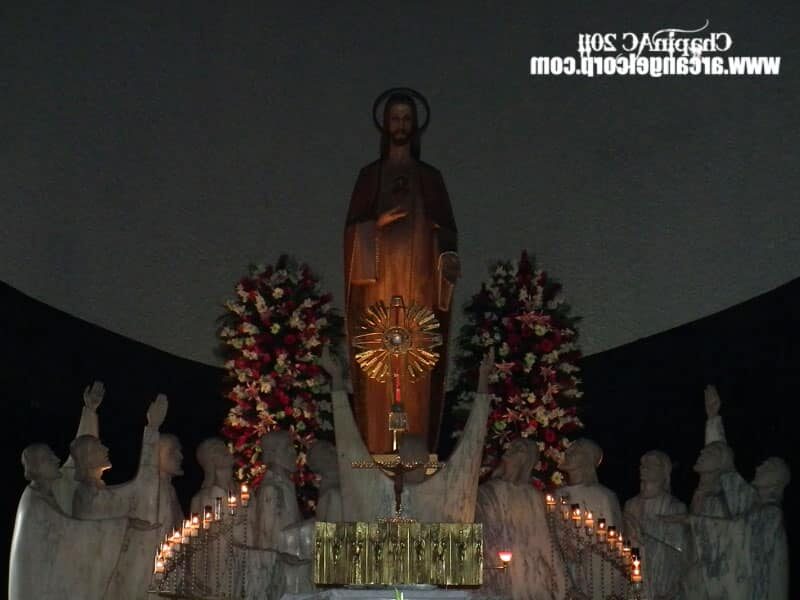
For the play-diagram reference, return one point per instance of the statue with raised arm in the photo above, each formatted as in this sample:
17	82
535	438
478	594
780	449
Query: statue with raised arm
739	538
52	554
64	487
400	240
137	499
513	515
662	544
449	496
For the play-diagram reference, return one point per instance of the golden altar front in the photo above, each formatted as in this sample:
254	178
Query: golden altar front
398	553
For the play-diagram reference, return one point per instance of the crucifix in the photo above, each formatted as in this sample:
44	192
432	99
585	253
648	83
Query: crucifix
396	348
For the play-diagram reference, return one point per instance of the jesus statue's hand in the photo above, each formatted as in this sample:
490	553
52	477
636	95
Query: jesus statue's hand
391	215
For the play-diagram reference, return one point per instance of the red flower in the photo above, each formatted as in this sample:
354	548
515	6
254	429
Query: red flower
546	346
289	340
549	436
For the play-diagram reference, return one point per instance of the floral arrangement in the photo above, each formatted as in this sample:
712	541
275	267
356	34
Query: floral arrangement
534	388
272	336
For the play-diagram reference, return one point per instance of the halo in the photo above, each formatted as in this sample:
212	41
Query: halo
415	95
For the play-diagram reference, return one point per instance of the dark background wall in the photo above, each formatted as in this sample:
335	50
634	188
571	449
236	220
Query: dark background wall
150	150
641	396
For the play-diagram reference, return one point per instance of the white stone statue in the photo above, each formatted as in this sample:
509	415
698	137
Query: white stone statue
580	463
739	539
64	487
217	464
321	459
513	514
661	544
54	556
297	555
170	464
449	496
715	458
274	508
137	499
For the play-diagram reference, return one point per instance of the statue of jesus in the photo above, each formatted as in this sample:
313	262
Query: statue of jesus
400	240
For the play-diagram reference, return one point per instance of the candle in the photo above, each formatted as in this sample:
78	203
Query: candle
208	516
505	558
626	553
589	522
576	515
159	568
245	494
195	525
186	531
620	544
601	530
612	536
564	508
218	508
231	503
550	502
636	570
166	550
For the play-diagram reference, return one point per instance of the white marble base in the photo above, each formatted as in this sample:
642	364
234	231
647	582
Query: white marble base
384	593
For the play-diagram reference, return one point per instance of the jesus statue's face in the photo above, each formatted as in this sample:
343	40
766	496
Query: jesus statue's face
401	124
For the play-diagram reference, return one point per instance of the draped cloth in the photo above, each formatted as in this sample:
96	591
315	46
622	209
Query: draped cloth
449	496
54	556
743	556
402	258
662	544
513	517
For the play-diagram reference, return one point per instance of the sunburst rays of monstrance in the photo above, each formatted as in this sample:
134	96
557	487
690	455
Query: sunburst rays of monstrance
394	343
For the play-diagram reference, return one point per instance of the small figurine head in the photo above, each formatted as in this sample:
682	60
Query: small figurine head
40	463
771	477
170	455
90	456
716	457
656	467
277	450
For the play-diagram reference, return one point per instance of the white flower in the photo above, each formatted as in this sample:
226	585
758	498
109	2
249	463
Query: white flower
235	307
539	329
500	302
249	328
277	293
504	349
530	358
261	304
275	328
557	478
